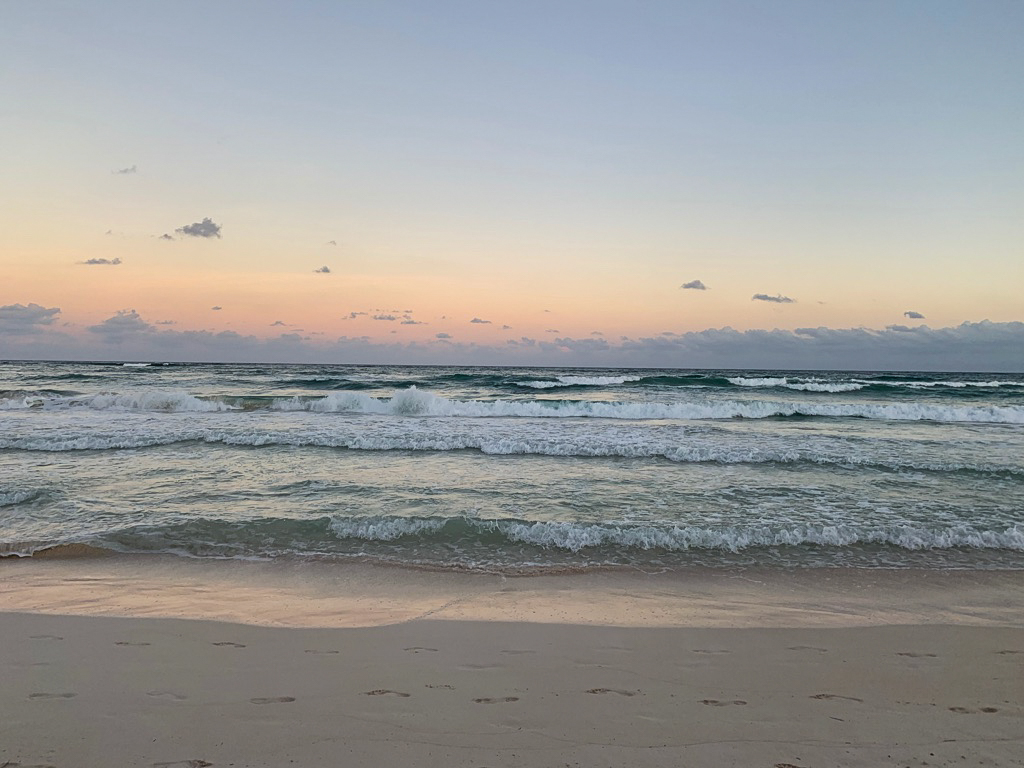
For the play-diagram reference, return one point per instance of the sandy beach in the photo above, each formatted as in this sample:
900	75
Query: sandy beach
151	661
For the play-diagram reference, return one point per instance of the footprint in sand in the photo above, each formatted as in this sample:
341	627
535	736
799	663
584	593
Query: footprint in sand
272	700
166	695
45	637
968	711
420	649
916	655
20	765
806	648
445	686
386	692
229	644
716	703
1005	653
835	696
126	642
613	690
183	764
52	695
503	700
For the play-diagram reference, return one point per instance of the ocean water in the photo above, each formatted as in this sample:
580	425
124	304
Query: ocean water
515	469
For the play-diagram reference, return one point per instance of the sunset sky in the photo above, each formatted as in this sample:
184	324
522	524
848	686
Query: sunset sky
556	171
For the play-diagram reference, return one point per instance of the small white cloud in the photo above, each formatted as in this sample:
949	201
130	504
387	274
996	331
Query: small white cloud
913	315
389	318
126	171
778	299
205	228
442	335
110	262
478	321
278	322
694	285
325	270
331	242
217	309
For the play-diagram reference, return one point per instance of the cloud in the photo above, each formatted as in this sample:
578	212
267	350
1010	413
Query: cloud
278	322
694	285
166	322
325	270
597	333
331	242
126	322
205	228
165	236
506	327
410	321
779	299
111	262
217	308
26	318
354	315
389	318
913	315
552	330
479	321
971	346
125	171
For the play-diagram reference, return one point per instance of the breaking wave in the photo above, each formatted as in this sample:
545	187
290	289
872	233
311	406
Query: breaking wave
416	402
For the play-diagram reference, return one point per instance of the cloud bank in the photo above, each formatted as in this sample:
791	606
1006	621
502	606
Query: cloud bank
30	331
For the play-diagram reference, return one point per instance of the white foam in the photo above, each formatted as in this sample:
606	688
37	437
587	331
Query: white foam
811	385
579	381
576	537
414	402
950	384
678	443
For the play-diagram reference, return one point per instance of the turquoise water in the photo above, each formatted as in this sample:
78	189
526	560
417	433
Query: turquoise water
513	469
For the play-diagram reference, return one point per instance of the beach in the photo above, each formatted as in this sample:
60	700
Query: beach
161	661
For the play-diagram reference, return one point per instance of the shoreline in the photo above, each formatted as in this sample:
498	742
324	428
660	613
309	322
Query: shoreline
319	593
146	661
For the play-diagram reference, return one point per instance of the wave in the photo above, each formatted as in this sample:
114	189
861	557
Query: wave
578	381
575	537
413	402
457	539
686	449
803	386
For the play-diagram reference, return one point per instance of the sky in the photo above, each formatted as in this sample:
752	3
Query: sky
671	184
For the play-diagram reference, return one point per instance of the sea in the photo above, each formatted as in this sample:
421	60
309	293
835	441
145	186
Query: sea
514	470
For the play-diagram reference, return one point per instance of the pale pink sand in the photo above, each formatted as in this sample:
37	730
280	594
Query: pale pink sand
364	666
